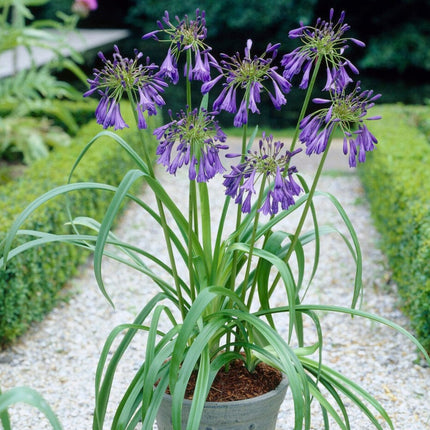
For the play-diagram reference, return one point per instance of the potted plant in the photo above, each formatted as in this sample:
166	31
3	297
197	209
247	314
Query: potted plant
213	315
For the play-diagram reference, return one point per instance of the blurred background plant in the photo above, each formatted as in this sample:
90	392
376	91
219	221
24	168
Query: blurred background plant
28	109
29	138
396	61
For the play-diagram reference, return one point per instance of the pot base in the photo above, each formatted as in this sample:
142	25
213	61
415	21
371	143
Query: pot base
257	413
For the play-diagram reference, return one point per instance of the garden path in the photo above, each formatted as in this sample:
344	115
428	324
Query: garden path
58	356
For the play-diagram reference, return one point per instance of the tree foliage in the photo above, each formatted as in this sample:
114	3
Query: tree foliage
397	33
230	23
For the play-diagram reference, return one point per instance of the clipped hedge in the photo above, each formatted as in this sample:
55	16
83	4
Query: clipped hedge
31	283
397	180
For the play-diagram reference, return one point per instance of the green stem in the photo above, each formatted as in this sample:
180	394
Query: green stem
192	192
205	220
217	248
5	14
305	211
161	212
191	206
257	270
239	207
305	103
252	243
233	273
188	85
316	178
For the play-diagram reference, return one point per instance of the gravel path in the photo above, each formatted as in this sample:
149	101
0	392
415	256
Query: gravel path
58	357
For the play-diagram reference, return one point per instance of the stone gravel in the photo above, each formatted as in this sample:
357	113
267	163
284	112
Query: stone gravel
58	356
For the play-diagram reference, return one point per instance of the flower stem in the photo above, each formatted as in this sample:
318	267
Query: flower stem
239	207
161	212
187	80
305	211
318	173
252	245
191	206
192	201
305	103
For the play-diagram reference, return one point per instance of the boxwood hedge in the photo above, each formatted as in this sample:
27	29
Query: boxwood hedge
31	283
397	180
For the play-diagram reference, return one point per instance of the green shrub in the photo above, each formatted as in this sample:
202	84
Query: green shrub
31	283
67	114
397	180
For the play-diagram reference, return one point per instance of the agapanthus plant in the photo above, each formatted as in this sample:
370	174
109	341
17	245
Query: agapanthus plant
187	35
349	113
268	165
123	75
323	42
248	75
195	139
221	308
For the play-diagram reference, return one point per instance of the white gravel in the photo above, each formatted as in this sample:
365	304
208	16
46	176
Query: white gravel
58	357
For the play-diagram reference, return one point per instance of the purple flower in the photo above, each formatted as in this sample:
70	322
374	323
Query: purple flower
185	35
325	40
201	69
113	117
270	165
338	78
241	117
125	75
226	100
193	139
248	74
169	68
348	111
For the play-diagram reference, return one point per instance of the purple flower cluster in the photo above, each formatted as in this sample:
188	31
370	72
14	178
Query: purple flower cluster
196	138
348	111
326	40
185	35
139	81
271	165
247	74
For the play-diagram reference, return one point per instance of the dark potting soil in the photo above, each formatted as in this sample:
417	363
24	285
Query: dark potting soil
238	383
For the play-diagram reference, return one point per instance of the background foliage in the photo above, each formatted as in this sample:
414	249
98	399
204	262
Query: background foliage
32	282
396	61
397	34
28	95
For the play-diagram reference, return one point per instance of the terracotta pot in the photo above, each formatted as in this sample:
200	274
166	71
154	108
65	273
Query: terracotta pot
258	413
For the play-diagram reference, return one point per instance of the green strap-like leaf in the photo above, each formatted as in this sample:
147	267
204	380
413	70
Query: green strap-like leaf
358	263
333	380
140	399
35	204
285	274
104	377
358	313
110	215
30	397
